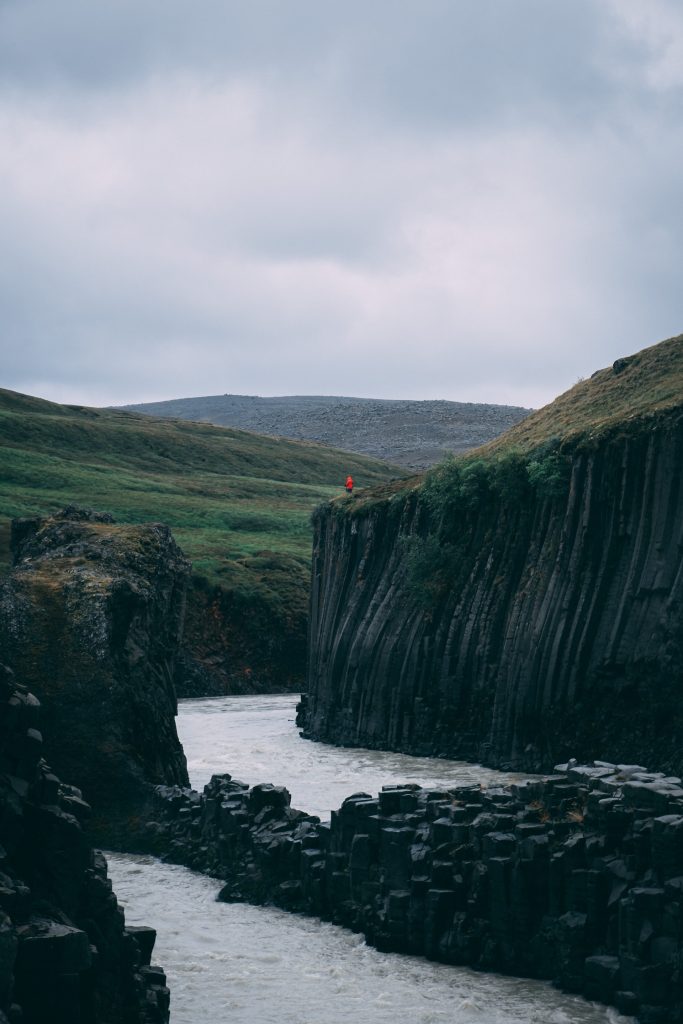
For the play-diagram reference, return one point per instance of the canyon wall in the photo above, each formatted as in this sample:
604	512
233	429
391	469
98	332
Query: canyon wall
576	878
553	624
237	645
65	953
91	620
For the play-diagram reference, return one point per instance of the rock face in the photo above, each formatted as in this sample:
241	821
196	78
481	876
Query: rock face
91	617
65	953
577	877
236	646
550	622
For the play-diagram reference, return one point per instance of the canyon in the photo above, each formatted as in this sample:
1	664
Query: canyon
521	605
574	877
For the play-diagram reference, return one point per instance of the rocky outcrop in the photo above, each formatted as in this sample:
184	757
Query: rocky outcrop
65	953
237	644
91	618
576	878
549	621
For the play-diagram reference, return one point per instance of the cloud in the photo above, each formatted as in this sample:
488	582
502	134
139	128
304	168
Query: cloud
393	200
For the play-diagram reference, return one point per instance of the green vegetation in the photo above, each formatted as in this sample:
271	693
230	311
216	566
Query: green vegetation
632	393
643	385
238	503
533	458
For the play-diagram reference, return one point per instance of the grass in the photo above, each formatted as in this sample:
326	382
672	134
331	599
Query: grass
229	495
640	386
623	398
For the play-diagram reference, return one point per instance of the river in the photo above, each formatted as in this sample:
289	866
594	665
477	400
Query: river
236	964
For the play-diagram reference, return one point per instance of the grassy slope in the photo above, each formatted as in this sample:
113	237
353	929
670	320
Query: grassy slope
642	385
227	494
637	389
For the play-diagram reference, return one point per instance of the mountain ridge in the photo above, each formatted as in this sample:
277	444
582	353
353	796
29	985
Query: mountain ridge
412	433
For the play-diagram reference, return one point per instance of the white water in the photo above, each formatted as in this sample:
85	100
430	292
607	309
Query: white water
255	739
236	964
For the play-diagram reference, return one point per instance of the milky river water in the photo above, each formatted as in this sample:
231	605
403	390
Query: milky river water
237	964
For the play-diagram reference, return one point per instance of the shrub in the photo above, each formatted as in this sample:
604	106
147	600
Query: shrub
429	568
549	470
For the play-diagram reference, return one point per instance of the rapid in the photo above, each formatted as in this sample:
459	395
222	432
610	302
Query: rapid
237	964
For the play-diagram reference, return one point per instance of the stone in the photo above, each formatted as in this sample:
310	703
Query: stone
63	947
481	673
561	899
90	618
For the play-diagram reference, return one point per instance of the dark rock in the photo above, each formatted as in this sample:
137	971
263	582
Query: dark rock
554	626
65	955
91	617
564	898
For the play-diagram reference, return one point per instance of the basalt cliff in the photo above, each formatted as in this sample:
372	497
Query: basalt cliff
91	620
66	955
522	603
576	877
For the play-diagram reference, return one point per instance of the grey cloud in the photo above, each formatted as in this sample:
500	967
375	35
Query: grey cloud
427	64
435	199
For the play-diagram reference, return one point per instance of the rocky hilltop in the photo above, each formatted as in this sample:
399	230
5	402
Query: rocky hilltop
91	619
411	434
65	953
524	602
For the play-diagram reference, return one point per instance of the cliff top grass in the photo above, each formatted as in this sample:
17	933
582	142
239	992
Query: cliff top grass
634	388
624	397
229	495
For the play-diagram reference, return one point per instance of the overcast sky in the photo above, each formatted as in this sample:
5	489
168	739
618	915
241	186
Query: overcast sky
478	200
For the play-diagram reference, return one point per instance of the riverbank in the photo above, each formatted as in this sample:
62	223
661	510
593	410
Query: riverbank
572	878
260	965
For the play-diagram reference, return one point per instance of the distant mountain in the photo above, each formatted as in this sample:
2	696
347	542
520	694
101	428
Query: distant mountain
410	433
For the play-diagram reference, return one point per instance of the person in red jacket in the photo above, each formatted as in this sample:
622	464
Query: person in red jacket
349	484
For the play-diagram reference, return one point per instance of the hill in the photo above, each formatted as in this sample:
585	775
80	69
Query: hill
239	506
636	387
412	434
632	394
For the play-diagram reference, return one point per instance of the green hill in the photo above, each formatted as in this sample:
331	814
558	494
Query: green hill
646	384
239	504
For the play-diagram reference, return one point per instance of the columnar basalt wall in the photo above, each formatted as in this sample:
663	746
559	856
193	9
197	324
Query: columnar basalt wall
577	877
560	628
65	953
91	620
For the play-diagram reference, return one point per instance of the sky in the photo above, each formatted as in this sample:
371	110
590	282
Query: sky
476	200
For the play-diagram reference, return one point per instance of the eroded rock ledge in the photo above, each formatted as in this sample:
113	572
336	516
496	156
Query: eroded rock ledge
576	877
91	620
65	953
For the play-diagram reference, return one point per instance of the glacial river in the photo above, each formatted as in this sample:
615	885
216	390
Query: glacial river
236	964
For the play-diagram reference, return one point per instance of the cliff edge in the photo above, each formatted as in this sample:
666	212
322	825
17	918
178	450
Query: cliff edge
522	603
65	953
91	619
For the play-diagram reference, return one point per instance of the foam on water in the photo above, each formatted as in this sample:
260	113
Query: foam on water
255	739
239	964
